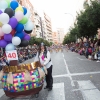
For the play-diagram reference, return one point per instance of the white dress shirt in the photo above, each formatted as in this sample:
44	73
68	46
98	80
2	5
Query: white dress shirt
45	61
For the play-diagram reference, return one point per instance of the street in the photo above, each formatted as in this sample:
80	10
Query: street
75	78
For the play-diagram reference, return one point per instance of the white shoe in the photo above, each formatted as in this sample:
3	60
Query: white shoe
98	61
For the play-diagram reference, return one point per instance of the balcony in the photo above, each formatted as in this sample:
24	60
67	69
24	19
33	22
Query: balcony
38	29
37	23
37	17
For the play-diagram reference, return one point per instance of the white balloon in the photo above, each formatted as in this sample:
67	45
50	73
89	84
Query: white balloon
4	18
6	28
2	10
3	4
19	15
28	13
16	41
29	26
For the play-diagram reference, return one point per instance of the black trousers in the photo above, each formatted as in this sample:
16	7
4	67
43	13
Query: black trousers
49	78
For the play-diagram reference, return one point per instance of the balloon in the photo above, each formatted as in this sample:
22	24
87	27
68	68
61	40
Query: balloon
25	10
1	32
1	11
24	33
14	4
9	11
29	26
6	28
7	37
19	15
3	4
24	20
13	22
1	24
19	27
8	42
19	9
28	32
2	37
27	37
20	35
3	43
13	32
16	40
24	43
8	2
10	47
28	13
4	18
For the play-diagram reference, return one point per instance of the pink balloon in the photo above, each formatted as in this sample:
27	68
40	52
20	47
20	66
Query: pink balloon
1	32
19	15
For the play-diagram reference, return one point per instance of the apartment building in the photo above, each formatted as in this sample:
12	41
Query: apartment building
44	29
48	28
55	37
60	33
38	25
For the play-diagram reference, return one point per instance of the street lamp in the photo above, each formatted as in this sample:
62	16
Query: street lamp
74	23
71	15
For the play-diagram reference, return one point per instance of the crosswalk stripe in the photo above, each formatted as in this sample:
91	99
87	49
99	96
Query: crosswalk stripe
1	93
89	91
57	93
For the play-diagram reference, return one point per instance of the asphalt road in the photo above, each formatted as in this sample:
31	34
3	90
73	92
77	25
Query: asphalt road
75	78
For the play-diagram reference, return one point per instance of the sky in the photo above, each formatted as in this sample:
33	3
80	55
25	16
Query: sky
56	10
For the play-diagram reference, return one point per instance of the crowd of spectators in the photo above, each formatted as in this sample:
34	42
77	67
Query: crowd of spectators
90	49
24	54
27	53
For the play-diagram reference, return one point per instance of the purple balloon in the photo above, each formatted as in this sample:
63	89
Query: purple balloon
3	43
27	37
9	42
1	12
7	37
24	33
13	22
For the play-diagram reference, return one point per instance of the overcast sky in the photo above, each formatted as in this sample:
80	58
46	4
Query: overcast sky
56	10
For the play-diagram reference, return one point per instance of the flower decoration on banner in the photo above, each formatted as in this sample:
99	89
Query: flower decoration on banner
15	24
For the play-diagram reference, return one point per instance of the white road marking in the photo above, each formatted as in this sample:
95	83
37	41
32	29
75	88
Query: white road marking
72	83
57	93
85	73
76	74
89	91
1	93
83	59
64	75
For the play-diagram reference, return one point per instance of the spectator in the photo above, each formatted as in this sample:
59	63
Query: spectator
98	55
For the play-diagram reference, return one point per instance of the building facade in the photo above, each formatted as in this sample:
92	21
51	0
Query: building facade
38	25
48	28
55	37
60	33
44	29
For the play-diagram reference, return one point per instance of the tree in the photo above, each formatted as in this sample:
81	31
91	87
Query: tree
89	20
87	23
38	41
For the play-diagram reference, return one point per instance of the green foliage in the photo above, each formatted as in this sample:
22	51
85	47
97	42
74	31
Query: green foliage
89	20
87	23
38	41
